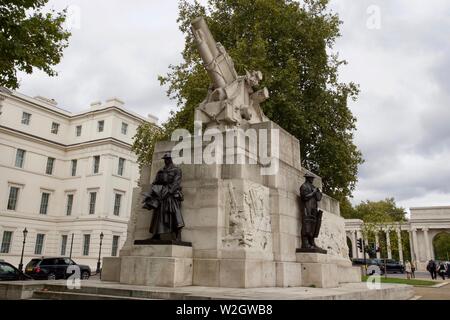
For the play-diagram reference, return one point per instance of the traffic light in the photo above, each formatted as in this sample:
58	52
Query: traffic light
360	245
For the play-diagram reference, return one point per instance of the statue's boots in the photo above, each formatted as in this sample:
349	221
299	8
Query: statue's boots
156	237
306	243
178	235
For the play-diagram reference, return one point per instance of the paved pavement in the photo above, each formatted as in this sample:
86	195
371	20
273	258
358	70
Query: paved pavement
419	276
440	292
89	289
429	293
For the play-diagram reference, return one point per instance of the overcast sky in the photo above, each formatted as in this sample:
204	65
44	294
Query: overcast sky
398	51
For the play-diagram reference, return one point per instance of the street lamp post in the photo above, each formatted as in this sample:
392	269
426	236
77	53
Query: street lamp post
71	246
25	232
99	253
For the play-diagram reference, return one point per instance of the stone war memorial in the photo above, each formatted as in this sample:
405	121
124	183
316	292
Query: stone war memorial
234	207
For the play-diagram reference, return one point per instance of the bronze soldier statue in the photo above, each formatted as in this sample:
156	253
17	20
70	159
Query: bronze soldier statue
311	215
164	198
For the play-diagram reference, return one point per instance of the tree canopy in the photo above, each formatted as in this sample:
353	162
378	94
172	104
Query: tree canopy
292	44
379	217
378	212
29	39
441	246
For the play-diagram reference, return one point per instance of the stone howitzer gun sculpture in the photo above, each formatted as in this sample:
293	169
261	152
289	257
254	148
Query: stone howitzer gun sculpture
231	99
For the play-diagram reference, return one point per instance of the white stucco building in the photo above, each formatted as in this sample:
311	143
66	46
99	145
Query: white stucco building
65	175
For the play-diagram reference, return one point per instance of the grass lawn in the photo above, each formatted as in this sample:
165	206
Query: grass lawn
412	282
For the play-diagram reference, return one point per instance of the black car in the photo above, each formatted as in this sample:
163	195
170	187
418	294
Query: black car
55	268
392	266
370	263
10	273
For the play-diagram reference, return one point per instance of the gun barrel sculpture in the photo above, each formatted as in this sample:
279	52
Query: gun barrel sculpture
231	100
215	58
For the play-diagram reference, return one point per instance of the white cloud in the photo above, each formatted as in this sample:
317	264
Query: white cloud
402	112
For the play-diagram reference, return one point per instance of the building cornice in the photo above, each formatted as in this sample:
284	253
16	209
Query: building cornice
65	219
430	208
67	147
68	115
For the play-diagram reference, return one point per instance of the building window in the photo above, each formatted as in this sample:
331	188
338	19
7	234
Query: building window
78	131
69	204
92	200
124	128
44	203
63	245
86	244
6	242
50	164
115	246
117	202
55	128
74	168
26	117
20	158
13	197
96	164
121	167
101	126
39	243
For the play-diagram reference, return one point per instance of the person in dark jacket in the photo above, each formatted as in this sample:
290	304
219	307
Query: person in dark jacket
442	270
431	268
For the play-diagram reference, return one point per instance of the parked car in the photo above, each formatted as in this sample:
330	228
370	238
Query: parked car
392	266
10	273
369	262
55	268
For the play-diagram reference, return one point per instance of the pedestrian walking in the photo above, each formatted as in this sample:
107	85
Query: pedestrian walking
413	270
408	269
442	270
431	268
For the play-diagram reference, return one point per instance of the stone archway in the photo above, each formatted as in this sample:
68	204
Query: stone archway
350	247
441	246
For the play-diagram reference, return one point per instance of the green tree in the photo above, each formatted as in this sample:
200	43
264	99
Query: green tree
144	141
441	246
29	39
385	211
379	218
291	43
347	210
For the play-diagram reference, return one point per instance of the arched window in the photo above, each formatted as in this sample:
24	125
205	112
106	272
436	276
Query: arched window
441	246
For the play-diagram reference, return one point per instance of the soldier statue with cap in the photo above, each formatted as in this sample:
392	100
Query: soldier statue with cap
164	198
311	215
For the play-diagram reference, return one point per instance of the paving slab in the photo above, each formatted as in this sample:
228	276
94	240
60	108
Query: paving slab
351	291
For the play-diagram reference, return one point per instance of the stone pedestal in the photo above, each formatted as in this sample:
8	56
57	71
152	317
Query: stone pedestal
323	271
154	265
317	270
234	273
244	226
